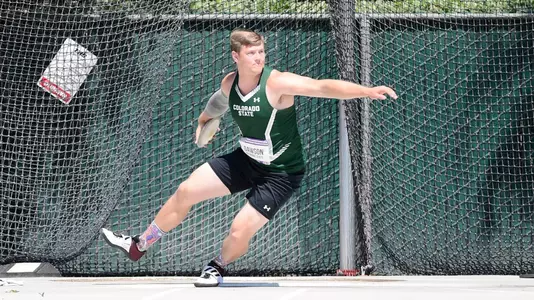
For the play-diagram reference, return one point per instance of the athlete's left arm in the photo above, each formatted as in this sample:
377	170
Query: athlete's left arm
286	83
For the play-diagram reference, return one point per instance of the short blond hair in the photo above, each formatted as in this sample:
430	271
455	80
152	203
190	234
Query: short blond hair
244	37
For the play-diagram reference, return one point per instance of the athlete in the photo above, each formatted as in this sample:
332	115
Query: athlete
269	162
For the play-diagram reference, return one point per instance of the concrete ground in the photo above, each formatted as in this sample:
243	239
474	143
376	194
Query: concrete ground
271	288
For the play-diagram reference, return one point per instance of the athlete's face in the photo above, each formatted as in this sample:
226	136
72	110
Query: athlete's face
251	58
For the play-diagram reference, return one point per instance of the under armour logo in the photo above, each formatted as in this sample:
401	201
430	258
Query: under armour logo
267	208
257	99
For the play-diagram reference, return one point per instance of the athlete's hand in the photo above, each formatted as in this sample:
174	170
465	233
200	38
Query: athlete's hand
199	127
379	92
197	133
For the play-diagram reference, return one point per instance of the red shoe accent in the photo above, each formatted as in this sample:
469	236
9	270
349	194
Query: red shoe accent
134	253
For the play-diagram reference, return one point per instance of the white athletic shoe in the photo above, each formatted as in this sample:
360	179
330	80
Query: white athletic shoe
210	277
125	243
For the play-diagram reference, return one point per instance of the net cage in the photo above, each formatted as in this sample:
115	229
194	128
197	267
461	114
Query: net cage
99	101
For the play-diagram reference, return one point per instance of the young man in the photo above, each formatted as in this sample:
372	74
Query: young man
269	162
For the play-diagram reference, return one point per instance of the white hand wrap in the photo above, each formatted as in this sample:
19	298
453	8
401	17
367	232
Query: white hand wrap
217	105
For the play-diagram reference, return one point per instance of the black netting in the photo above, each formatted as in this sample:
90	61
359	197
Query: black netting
450	167
120	148
443	176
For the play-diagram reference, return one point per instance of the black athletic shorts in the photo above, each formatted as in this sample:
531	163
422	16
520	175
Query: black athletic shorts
268	191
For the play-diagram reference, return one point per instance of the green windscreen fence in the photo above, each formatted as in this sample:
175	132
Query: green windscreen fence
119	149
452	158
299	239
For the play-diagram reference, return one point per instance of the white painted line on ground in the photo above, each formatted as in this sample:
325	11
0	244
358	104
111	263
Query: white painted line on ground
325	284
161	294
293	294
24	267
143	286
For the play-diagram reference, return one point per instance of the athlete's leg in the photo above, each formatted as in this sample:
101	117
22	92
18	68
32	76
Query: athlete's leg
245	225
220	176
269	194
247	222
201	185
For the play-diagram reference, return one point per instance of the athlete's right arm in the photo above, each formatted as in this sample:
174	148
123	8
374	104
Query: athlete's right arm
217	104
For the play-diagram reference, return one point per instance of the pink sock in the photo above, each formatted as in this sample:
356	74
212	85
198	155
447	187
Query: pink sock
151	235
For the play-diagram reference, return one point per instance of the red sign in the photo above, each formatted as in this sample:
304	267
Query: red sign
55	90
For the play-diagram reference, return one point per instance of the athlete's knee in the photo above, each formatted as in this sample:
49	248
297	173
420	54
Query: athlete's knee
184	194
240	232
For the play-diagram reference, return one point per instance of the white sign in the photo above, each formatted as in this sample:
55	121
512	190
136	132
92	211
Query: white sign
67	71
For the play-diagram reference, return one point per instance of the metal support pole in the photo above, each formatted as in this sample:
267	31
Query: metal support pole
347	243
344	22
367	159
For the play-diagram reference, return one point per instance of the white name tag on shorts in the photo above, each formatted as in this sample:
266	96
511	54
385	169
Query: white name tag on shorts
258	150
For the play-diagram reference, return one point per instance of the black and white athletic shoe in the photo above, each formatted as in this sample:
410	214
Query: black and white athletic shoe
210	277
125	243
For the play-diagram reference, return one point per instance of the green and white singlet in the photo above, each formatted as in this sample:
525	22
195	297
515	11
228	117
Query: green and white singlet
270	137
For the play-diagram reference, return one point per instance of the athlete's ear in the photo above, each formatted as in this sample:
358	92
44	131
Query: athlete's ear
235	56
